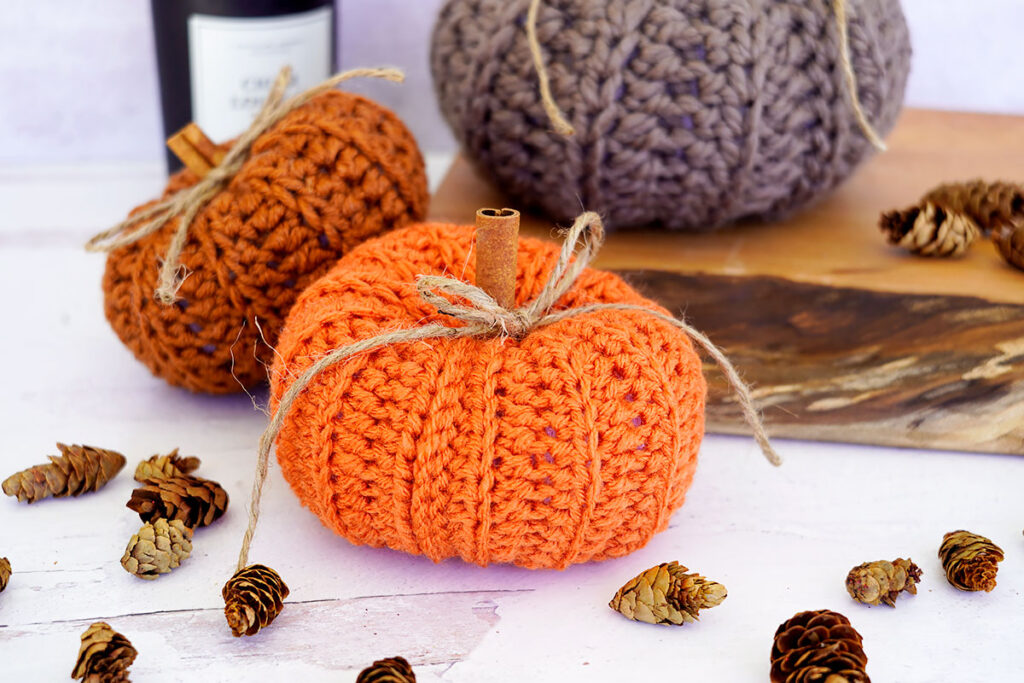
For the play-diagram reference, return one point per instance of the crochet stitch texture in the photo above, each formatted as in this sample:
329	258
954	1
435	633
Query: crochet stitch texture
689	114
329	175
575	443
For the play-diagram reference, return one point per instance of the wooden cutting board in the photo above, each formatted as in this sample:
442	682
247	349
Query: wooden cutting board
844	337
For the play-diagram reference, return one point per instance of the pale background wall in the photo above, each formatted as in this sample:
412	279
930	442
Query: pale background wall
78	82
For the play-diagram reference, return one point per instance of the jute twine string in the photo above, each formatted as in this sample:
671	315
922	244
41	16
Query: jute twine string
189	201
562	126
839	7
483	316
551	108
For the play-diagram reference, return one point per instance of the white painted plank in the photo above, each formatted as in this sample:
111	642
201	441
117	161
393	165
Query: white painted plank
80	77
67	204
780	540
319	637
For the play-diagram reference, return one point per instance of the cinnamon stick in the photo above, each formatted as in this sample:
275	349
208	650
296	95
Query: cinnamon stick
198	152
497	250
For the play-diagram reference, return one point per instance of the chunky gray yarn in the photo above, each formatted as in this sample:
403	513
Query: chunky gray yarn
689	114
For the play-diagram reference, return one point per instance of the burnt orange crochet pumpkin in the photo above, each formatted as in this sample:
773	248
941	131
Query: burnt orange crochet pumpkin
574	443
330	174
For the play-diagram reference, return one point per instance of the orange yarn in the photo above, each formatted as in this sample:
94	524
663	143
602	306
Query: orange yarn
332	173
575	443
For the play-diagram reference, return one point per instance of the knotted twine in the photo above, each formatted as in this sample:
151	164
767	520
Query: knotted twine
189	201
482	316
562	126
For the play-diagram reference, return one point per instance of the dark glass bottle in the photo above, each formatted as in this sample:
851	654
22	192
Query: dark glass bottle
217	58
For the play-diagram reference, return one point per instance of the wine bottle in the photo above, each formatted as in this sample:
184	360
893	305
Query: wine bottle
217	58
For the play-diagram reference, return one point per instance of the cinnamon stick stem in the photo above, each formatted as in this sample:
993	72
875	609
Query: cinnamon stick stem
497	250
195	150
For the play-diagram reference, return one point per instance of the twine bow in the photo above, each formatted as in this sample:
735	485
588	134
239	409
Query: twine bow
483	316
486	315
189	201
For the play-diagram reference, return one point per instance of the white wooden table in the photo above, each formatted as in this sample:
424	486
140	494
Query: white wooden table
781	540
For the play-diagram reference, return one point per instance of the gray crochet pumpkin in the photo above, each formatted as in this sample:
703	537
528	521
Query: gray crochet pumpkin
689	114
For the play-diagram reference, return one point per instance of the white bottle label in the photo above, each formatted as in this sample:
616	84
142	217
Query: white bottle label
234	61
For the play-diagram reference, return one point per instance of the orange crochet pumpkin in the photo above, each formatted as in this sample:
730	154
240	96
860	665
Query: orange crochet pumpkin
330	174
574	443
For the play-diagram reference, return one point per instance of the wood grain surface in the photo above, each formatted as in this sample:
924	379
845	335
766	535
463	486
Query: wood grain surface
845	337
856	365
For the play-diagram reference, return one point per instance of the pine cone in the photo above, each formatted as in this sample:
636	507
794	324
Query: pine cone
194	501
666	594
971	561
105	655
170	465
990	205
930	230
1010	242
818	646
157	548
391	670
77	470
883	581
5	573
253	598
